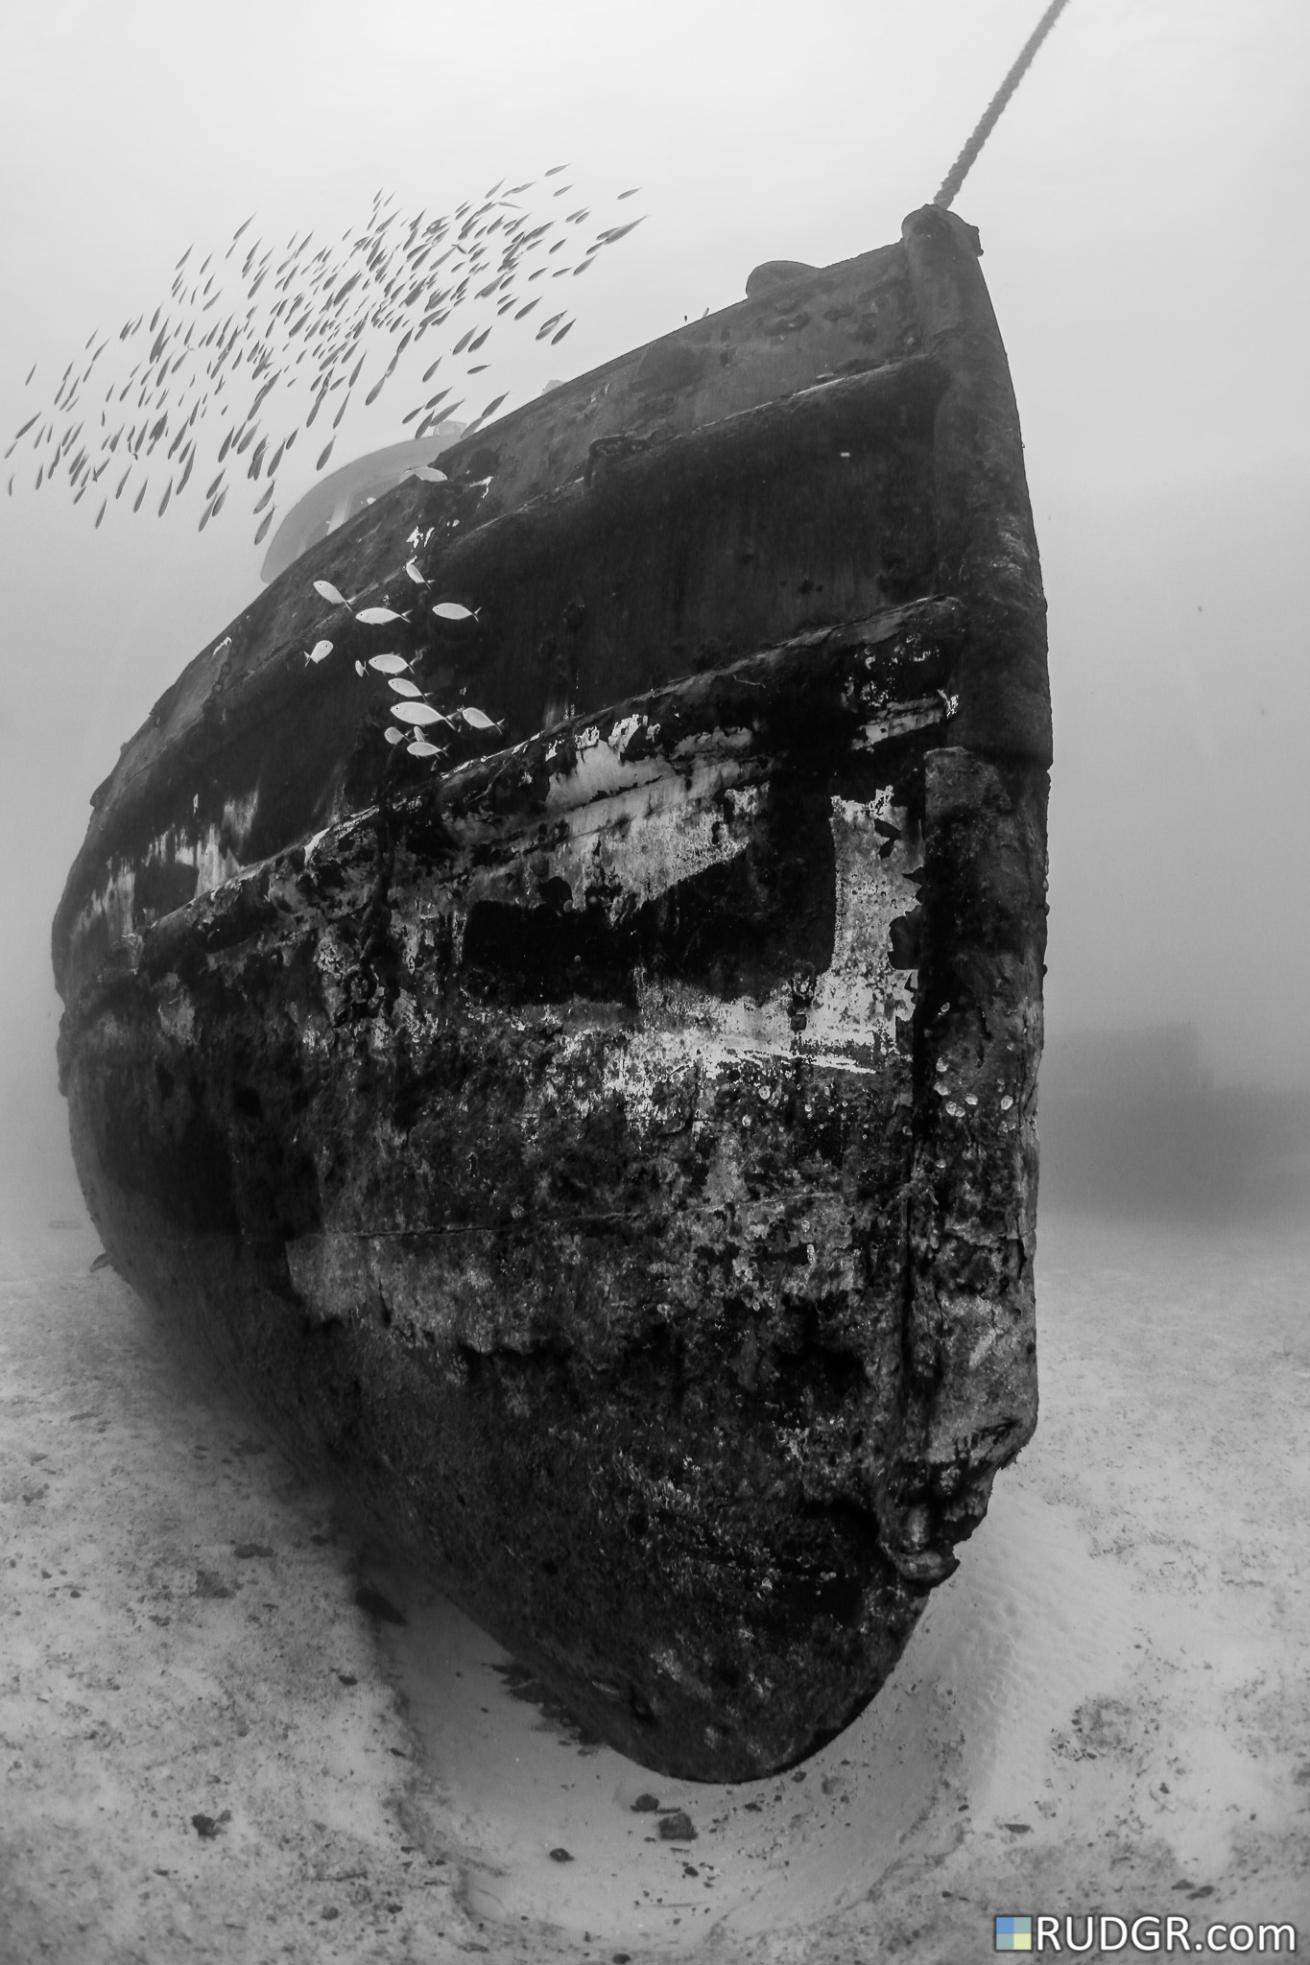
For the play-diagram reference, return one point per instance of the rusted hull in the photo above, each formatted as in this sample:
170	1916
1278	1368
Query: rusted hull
616	1153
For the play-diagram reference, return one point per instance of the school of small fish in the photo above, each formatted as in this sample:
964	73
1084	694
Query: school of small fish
417	718
214	368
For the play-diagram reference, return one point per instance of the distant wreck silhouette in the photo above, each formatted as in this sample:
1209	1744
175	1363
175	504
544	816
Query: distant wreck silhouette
331	501
1132	1121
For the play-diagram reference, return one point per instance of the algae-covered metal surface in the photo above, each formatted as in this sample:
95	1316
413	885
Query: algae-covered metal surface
615	1151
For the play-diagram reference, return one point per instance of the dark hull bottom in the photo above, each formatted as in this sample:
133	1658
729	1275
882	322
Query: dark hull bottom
730	1629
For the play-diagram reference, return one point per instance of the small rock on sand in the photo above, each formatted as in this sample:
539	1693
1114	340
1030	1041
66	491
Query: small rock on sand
207	1826
210	1585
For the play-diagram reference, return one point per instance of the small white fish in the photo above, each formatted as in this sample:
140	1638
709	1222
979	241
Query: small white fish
412	569
420	713
392	735
477	720
428	473
403	686
377	617
420	747
453	610
388	664
319	652
327	591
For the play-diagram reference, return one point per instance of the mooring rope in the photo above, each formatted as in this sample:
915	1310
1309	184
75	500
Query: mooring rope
991	115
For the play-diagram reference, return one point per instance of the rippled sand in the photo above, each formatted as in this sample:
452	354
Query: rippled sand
209	1750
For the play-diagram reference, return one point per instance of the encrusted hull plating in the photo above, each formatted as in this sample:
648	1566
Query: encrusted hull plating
616	1153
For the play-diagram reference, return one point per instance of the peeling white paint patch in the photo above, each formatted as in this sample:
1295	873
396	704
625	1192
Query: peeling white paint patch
110	908
602	770
620	834
637	843
598	771
214	852
858	1001
719	742
626	729
213	863
862	994
905	718
851	1023
718	1030
217	852
659	834
633	844
239	818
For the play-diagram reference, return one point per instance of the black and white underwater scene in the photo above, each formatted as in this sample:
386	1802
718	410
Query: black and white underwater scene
654	1080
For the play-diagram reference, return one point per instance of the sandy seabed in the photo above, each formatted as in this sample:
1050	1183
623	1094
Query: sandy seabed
210	1751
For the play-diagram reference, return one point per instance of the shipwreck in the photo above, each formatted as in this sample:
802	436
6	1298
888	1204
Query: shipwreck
608	1142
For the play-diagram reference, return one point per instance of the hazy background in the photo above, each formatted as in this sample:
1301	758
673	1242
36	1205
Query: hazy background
1142	211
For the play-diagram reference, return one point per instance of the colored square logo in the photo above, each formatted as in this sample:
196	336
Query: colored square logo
1012	1934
